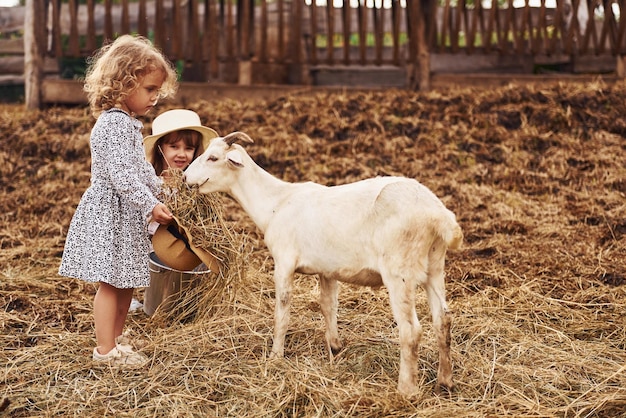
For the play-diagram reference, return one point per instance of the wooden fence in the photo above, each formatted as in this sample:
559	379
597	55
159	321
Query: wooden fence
400	42
239	41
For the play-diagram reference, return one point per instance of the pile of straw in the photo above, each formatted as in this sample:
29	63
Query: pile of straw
202	216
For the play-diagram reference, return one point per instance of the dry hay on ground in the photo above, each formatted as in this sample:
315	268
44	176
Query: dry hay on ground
536	176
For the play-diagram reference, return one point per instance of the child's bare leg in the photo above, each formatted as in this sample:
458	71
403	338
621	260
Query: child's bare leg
124	297
105	314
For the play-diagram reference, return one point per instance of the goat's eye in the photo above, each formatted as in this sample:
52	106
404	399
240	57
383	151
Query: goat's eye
212	158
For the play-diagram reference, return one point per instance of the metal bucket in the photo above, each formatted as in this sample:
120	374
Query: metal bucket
168	284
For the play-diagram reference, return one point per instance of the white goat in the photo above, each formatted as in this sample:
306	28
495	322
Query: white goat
385	230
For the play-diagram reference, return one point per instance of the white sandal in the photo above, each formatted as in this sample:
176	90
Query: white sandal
119	356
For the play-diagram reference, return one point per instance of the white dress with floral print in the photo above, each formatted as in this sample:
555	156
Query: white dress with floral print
107	240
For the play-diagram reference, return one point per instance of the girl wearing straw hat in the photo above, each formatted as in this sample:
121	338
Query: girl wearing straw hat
107	242
178	137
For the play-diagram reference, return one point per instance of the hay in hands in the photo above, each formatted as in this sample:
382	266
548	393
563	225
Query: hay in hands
202	215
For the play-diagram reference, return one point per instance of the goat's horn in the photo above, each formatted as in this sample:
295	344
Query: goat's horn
233	137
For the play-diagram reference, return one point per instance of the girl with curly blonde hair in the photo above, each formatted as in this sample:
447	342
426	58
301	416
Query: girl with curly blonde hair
107	241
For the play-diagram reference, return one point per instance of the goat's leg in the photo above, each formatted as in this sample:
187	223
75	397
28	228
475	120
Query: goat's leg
329	289
401	297
442	317
283	282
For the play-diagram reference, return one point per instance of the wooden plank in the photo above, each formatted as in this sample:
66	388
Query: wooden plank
524	30
12	46
244	46
330	33
609	21
205	35
567	35
357	75
503	31
472	24
230	30
511	29
91	43
281	30
621	30
379	32
553	47
176	48
11	79
542	42
477	63
194	44
445	26
313	36
55	91
214	44
57	46
263	53
125	17
362	9
296	38
142	21
244	62
411	48
491	28
464	17
14	64
34	50
160	35
396	11
455	26
591	64
346	32
108	20
63	92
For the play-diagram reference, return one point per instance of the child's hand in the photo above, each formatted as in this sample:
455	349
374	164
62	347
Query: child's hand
161	214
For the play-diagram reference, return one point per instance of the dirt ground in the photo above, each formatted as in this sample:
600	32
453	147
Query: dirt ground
535	174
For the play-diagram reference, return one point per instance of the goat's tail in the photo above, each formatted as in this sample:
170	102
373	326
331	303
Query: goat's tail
450	231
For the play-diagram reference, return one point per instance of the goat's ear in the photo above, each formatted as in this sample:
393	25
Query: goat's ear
234	158
233	137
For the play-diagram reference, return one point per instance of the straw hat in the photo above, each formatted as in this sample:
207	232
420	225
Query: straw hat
176	120
173	245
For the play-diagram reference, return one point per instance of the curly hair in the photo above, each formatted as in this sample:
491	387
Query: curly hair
116	70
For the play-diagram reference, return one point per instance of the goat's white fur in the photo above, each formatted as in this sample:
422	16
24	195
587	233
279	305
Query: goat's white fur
385	230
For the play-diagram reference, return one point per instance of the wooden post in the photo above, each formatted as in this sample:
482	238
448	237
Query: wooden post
296	67
423	53
419	53
33	56
245	65
620	67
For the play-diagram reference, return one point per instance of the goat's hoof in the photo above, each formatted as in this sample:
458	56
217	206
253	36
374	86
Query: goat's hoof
336	350
334	345
407	390
445	388
275	355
